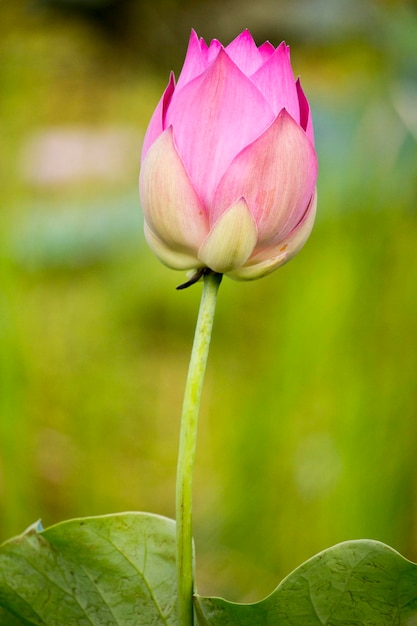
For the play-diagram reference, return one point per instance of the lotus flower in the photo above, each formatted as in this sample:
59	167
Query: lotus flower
229	169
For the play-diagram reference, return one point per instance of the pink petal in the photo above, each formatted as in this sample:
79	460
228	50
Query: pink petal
244	52
231	240
276	175
204	47
195	61
266	50
156	125
213	50
306	121
172	209
275	80
214	117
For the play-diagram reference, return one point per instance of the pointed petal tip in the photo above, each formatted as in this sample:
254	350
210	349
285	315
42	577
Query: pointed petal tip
266	49
284	47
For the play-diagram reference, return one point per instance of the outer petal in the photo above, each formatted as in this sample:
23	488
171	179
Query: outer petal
244	52
231	240
276	175
175	259
172	209
214	117
275	79
269	259
156	125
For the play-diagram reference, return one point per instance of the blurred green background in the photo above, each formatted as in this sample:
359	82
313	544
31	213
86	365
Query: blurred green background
308	432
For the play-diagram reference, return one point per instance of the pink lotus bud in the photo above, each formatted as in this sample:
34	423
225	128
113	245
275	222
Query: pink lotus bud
229	168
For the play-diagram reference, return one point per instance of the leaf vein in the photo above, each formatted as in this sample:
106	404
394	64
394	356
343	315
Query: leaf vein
141	574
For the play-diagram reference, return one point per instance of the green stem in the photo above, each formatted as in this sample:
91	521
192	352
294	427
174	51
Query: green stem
188	438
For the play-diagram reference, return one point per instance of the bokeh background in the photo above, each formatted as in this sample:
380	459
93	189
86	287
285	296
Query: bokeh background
308	431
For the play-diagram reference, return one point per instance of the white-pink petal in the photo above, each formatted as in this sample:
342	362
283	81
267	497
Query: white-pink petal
276	175
171	257
172	209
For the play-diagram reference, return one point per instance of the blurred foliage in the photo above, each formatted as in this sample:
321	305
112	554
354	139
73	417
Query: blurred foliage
308	426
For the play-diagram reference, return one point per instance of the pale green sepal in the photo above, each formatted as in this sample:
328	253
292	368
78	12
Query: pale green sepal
175	259
231	240
258	270
269	259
